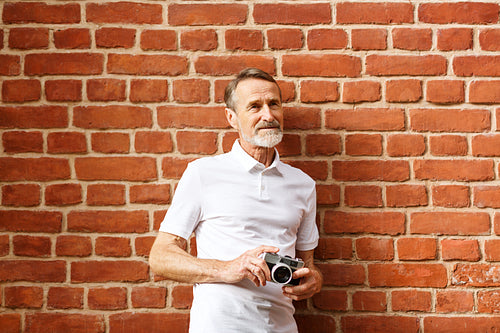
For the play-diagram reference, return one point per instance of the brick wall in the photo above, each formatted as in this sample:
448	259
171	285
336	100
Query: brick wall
390	106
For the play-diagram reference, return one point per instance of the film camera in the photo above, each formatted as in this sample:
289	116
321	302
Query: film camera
282	268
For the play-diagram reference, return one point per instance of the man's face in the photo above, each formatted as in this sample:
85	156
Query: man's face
259	112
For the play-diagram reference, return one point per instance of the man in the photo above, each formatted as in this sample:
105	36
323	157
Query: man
241	205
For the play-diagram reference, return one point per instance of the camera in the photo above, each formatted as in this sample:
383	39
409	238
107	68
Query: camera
282	268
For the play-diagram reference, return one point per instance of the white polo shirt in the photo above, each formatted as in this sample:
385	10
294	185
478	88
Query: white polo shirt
234	204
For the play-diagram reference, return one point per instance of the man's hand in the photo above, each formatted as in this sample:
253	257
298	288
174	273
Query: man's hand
249	266
310	277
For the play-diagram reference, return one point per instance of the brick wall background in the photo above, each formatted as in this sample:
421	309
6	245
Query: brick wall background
392	107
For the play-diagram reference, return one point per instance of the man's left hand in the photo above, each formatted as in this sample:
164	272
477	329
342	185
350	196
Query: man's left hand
311	281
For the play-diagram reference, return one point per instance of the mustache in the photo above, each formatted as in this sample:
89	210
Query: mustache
268	124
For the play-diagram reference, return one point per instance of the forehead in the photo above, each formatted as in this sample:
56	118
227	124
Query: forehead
257	89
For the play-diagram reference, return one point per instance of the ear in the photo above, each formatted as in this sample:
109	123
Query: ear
232	118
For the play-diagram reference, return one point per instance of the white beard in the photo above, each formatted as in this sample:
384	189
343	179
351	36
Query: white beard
269	138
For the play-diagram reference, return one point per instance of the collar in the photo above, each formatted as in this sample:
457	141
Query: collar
249	163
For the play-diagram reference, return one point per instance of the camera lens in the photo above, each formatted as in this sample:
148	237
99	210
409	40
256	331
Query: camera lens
281	274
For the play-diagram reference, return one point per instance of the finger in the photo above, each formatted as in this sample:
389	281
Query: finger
301	272
264	248
259	274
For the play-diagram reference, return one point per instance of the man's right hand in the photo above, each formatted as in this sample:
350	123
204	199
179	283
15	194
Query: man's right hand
249	266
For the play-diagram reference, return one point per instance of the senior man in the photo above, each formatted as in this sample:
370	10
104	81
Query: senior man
241	205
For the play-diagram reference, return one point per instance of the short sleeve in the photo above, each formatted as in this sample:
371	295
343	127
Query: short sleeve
307	236
184	213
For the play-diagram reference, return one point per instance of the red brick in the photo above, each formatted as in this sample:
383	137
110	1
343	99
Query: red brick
450	196
407	275
105	194
361	91
29	38
373	301
63	194
73	246
188	116
405	145
324	65
460	249
153	142
411	300
488	301
113	247
148	297
412	39
39	12
303	14
492	250
72	39
301	118
66	142
22	142
230	65
365	119
445	92
4	245
450	223
319	91
44	116
247	40
315	323
21	90
31	246
35	169
462	170
148	90
388	223
484	92
116	168
475	275
30	221
114	298
11	322
48	322
450	120
323	144
199	40
481	65
488	39
182	297
153	194
207	14
379	324
461	12
10	65
191	91
363	144
486	145
330	300
374	248
317	170
448	145
370	170
228	140
406	195
110	142
416	248
363	196
334	248
378	13
413	65
63	90
21	195
486	196
143	244
191	142
174	167
326	39
115	38
290	145
23	297
368	39
106	90
124	12
109	270
448	301
454	39
147	64
63	64
108	221
159	40
283	39
33	270
149	322
65	298
112	116
342	274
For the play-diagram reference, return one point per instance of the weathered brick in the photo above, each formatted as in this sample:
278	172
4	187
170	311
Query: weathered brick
147	64
460	12
73	246
326	39
484	92
285	39
65	298
21	195
407	275
165	40
63	64
450	196
109	270
63	194
368	170
448	301
363	196
149	297
412	39
105	194
34	169
368	39
39	12
207	14
411	300
73	38
448	145
22	142
283	13
463	170
366	119
44	116
29	38
152	322
373	301
112	116
460	249
481	65
108	221
406	195
377	13
389	223
397	324
475	275
115	37
450	223
410	248
244	39
124	12
368	248
45	322
230	65
33	270
412	65
324	65
454	39
114	298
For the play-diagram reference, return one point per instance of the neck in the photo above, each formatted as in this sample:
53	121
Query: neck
262	154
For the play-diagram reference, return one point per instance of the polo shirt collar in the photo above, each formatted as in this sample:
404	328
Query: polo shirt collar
248	162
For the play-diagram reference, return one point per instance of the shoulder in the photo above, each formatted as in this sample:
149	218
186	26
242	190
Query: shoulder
296	173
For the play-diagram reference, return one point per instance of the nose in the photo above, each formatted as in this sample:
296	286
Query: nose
266	113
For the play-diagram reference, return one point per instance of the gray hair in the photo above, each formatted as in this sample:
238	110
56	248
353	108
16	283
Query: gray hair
248	73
